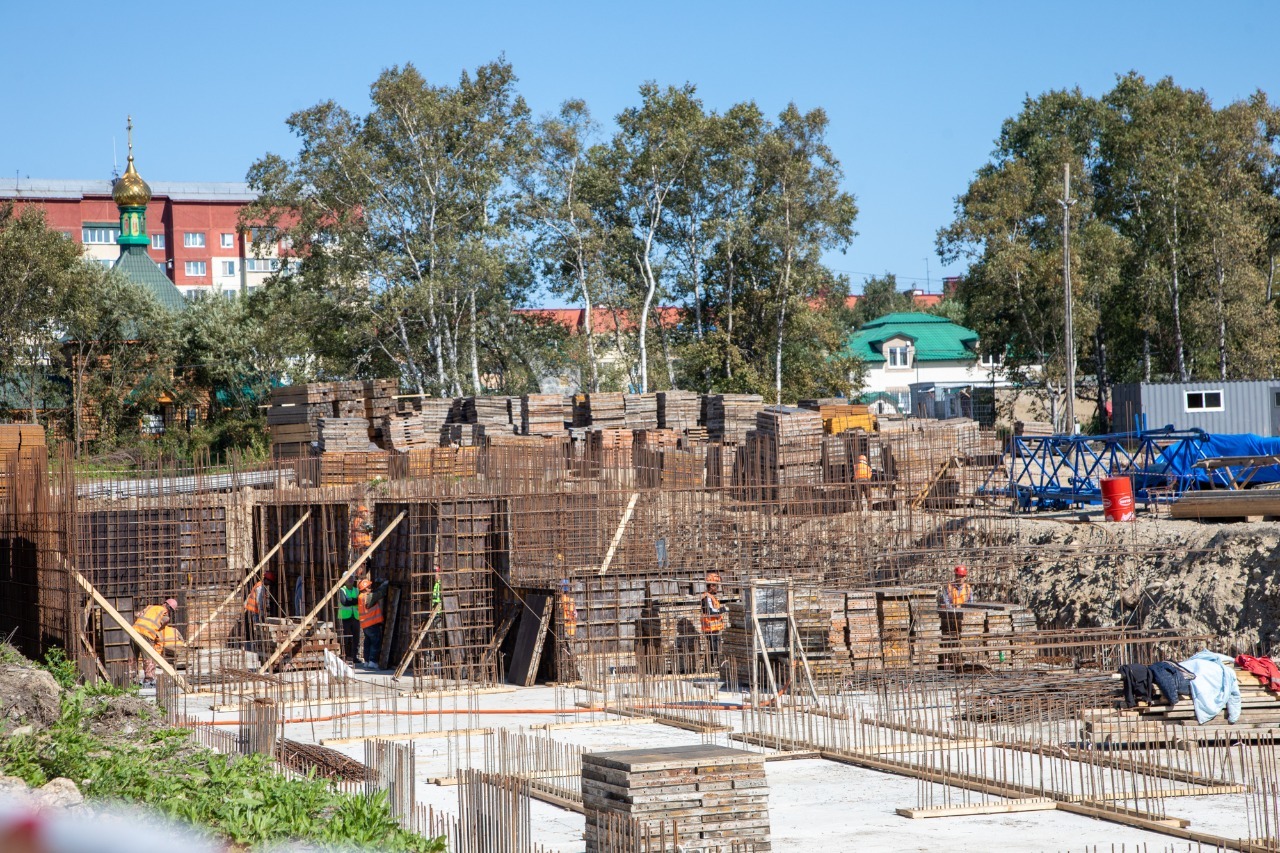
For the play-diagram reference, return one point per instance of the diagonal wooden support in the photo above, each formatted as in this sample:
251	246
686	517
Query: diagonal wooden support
333	590
141	641
417	641
617	536
231	596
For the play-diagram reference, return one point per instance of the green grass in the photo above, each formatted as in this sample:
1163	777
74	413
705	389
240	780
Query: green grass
241	799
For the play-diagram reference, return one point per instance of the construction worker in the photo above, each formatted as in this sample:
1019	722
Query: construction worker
151	624
370	604
714	620
568	612
256	606
360	536
957	593
862	478
349	619
171	640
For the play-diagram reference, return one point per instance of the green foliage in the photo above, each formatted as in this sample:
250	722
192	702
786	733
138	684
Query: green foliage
241	799
63	670
880	296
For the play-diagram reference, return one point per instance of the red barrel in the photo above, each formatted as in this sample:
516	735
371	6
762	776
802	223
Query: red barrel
1117	498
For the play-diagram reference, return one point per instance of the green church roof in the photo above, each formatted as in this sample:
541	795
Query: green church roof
138	267
934	338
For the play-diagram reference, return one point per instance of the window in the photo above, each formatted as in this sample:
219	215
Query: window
898	356
991	360
257	234
99	234
106	262
157	241
261	264
228	267
1204	401
1277	401
193	239
196	269
228	241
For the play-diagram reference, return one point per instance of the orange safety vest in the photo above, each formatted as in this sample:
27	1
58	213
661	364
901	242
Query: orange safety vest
251	603
862	471
171	639
360	538
152	621
712	623
369	616
959	595
568	615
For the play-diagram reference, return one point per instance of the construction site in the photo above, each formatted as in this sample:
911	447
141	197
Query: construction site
551	676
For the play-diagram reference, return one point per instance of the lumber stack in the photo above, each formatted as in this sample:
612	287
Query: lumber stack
640	411
337	468
727	417
862	631
379	402
609	448
926	628
490	411
293	417
343	435
893	608
669	638
791	441
406	430
541	414
839	415
677	409
963	630
716	798
604	410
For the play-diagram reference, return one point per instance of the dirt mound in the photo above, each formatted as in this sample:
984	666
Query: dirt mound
1218	579
120	715
29	698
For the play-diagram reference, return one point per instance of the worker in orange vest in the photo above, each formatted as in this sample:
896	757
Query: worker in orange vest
371	619
360	536
714	620
862	477
151	625
257	606
957	593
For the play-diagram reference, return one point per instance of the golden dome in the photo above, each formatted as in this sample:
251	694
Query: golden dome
130	190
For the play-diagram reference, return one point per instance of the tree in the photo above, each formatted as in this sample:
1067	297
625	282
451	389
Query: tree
801	212
40	271
402	218
880	296
568	237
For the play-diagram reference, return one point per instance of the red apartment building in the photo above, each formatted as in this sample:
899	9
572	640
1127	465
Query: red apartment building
194	228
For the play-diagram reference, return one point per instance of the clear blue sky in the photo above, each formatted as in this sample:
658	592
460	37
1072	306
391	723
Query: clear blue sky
915	92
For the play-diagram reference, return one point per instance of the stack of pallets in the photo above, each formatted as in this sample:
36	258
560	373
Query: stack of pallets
640	411
343	435
727	417
860	611
715	798
838	414
677	409
610	448
542	414
406	430
893	607
963	630
604	410
490	411
790	443
294	417
379	402
926	628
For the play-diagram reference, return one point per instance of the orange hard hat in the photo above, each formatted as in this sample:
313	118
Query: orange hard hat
365	585
961	572
862	457
713	577
362	508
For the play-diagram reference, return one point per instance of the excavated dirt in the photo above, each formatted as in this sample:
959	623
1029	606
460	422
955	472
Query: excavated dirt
121	715
1219	579
29	698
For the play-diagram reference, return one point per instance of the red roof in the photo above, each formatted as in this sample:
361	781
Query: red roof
924	300
602	319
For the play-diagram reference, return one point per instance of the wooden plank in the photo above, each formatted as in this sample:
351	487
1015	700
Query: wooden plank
231	596
535	611
315	611
491	650
617	536
1030	804
141	641
417	641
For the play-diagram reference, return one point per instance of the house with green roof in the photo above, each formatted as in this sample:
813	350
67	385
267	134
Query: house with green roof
910	351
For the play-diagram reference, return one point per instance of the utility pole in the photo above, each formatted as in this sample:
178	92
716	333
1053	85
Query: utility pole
1066	203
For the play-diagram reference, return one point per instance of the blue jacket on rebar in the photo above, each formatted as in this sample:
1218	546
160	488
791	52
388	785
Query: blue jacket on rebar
1215	686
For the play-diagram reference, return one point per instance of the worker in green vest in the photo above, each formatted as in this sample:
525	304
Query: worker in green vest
349	618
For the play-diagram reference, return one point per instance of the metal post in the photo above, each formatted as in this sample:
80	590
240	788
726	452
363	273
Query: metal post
1070	366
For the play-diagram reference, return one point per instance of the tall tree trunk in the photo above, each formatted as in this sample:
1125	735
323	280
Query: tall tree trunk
475	357
1271	274
652	286
728	341
1104	385
587	324
1175	293
1220	300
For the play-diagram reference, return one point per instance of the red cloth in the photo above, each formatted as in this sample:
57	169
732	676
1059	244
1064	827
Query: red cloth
1264	668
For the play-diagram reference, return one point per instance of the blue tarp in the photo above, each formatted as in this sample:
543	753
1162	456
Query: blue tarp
1178	461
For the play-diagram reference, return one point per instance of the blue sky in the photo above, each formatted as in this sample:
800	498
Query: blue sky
915	92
